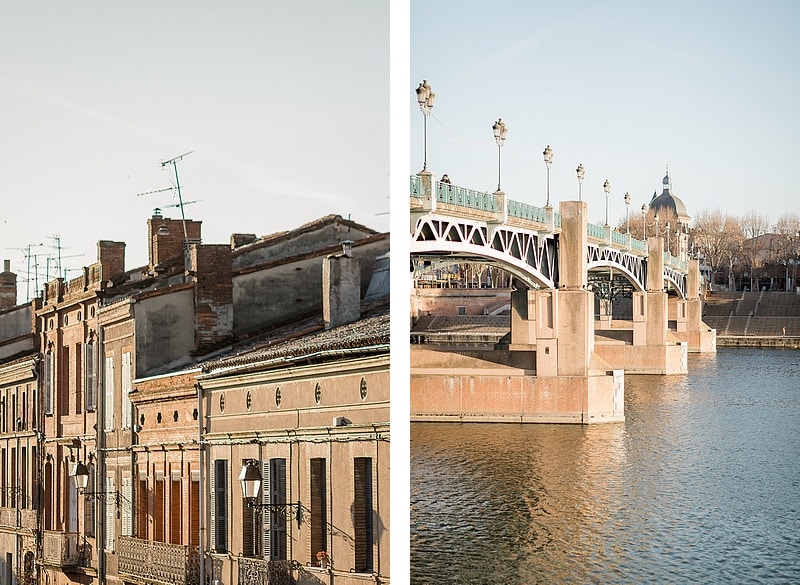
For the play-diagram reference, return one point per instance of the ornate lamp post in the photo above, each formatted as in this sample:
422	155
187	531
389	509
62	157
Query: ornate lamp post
644	221
548	161
581	172
499	129
606	188
425	99
627	212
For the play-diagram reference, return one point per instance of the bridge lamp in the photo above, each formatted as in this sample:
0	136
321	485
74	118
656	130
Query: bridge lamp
627	212
606	188
581	172
425	99
499	129
644	221
548	161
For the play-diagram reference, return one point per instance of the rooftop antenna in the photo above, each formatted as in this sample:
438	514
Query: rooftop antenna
174	162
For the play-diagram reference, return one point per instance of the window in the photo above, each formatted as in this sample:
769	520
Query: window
462	310
141	510
362	514
158	510
108	396
219	506
89	504
125	504
276	488
111	515
89	377
319	507
127	376
251	545
48	382
175	510
194	510
78	378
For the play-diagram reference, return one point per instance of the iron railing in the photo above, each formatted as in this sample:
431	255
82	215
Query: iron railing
463	197
416	186
526	211
145	561
261	572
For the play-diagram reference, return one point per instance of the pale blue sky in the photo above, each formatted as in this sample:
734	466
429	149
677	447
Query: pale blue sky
625	88
285	105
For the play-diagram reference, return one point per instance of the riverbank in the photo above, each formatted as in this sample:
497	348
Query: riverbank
771	342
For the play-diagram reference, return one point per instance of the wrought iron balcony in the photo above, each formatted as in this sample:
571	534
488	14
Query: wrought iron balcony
260	572
147	562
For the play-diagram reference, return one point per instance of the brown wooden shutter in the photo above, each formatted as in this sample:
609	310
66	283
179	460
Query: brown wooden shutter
175	512
319	508
362	513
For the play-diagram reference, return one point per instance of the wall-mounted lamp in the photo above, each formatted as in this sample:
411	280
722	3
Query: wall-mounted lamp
250	478
80	479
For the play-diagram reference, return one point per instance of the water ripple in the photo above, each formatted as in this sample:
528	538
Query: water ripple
701	484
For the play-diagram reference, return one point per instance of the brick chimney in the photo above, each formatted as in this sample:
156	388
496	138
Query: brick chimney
209	267
8	286
165	237
341	288
111	256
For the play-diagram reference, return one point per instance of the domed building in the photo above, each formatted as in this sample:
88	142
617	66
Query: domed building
668	204
671	209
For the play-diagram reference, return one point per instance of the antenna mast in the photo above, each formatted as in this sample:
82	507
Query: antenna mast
174	162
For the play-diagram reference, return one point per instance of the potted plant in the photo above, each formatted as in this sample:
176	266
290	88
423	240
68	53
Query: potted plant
324	559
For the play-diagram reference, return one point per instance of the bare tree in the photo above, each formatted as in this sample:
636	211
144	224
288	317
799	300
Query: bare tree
788	230
710	238
754	225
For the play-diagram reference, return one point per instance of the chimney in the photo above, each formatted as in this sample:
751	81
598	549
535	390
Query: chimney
209	267
111	256
8	286
341	288
165	237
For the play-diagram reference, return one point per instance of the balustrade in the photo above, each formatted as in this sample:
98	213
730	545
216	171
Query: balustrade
261	572
144	561
61	549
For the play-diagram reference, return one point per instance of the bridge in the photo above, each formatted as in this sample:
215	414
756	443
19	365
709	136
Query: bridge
560	363
462	225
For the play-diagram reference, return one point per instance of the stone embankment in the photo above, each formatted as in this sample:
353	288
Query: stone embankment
754	319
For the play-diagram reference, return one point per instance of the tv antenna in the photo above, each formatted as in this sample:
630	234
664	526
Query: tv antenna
174	162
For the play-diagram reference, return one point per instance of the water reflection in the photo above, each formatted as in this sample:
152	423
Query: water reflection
700	484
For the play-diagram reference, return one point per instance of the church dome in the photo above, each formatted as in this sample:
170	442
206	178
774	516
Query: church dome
669	202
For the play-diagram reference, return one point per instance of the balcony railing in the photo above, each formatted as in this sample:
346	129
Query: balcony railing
144	561
261	572
463	197
61	549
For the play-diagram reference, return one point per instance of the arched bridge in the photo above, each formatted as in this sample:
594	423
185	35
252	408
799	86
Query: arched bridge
454	224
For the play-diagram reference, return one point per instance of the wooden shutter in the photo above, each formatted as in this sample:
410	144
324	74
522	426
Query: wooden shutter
220	505
127	372
90	505
319	507
158	511
48	383
110	515
125	506
176	510
108	394
362	513
141	510
266	498
277	485
89	377
194	512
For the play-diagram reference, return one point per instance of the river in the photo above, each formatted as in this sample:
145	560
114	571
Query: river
700	484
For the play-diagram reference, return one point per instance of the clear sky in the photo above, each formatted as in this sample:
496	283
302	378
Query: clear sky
710	88
284	105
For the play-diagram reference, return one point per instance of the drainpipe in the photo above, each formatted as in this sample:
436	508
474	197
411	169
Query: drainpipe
201	513
99	473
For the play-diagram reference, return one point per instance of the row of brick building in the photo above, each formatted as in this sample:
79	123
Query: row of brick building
133	404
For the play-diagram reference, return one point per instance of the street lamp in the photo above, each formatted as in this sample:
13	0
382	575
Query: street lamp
548	160
580	172
250	479
499	129
606	188
644	221
80	479
425	99
627	212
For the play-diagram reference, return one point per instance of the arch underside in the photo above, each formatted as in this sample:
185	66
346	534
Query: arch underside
527	255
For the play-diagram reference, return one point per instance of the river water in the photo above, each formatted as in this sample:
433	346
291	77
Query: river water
700	484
